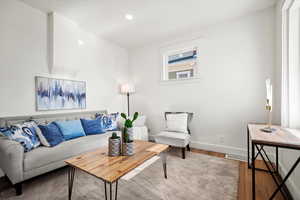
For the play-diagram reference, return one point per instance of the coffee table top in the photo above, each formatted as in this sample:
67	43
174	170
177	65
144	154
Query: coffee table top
110	169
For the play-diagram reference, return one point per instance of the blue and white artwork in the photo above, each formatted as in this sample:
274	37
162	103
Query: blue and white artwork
57	94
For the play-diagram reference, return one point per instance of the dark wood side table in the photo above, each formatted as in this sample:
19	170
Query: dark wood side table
280	138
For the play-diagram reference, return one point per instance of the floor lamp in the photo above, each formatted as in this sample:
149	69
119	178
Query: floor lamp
127	89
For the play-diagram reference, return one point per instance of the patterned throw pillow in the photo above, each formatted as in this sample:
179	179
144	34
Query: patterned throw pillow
24	133
109	122
2	134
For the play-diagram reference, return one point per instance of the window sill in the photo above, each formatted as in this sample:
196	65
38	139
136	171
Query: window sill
180	81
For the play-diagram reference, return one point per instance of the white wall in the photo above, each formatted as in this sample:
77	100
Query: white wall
23	55
235	59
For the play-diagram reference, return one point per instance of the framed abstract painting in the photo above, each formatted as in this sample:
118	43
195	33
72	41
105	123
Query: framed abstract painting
59	94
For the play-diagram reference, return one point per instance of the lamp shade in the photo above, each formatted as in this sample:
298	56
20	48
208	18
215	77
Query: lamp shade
127	88
269	88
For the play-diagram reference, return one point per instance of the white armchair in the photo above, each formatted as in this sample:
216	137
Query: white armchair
177	133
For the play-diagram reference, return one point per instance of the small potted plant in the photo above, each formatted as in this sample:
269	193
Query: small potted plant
127	147
114	145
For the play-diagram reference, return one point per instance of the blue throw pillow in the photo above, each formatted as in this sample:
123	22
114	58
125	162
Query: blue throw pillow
70	129
24	133
92	127
52	134
109	122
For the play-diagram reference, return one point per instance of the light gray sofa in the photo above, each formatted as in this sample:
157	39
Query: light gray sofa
19	166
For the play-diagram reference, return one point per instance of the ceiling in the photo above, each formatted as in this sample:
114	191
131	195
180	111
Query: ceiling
154	20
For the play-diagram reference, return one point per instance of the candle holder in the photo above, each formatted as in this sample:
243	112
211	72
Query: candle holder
269	128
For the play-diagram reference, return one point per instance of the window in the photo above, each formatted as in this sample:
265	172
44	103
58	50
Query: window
180	64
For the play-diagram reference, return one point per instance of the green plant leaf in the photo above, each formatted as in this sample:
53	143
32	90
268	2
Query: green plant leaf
135	116
114	136
123	115
128	123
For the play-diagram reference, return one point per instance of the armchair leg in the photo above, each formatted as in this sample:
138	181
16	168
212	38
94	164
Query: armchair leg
18	188
188	147
183	152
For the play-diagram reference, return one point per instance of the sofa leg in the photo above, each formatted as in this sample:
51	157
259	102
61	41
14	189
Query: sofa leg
183	152
18	188
6	178
188	147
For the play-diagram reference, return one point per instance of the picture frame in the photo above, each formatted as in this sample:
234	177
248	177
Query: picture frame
59	94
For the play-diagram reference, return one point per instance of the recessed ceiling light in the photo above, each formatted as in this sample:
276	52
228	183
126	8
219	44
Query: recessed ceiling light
80	42
129	17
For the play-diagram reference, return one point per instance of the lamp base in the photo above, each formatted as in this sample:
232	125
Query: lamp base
268	129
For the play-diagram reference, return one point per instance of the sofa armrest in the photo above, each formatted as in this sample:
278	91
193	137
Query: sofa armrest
11	162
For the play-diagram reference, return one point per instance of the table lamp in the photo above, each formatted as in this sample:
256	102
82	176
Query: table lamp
269	101
127	89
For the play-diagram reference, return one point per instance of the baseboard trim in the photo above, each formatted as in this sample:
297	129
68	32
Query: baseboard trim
220	148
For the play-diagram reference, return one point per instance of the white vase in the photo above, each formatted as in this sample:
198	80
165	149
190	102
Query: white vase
128	149
130	133
114	147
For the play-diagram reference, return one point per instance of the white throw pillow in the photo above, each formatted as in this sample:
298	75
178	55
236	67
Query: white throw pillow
177	122
140	121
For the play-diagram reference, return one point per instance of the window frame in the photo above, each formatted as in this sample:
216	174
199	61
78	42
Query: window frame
181	73
164	68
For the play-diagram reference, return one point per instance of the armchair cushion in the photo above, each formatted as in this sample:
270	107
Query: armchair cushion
173	138
177	122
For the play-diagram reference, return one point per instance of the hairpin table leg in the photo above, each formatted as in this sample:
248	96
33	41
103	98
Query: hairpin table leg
71	174
164	161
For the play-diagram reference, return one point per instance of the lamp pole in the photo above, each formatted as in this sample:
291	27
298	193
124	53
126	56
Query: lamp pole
127	89
128	103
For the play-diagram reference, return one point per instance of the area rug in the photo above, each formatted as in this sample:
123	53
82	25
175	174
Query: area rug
198	177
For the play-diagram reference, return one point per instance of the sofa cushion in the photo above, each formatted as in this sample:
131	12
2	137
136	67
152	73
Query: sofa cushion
70	129
92	127
46	155
173	138
52	134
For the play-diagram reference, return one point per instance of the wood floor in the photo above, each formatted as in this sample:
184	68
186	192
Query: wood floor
265	185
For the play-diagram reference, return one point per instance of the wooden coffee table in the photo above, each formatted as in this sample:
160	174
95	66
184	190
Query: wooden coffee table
111	169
